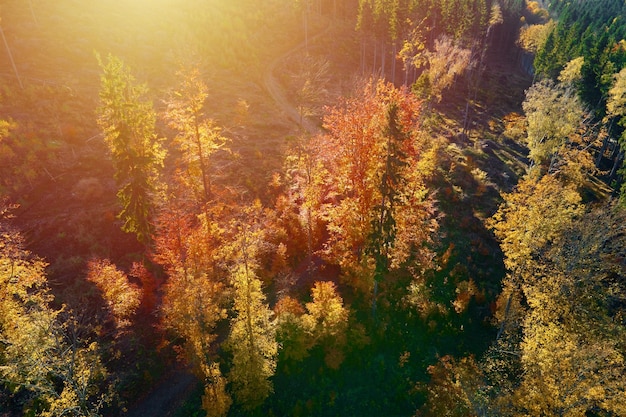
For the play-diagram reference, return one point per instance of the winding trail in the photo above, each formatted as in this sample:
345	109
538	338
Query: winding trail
277	93
169	395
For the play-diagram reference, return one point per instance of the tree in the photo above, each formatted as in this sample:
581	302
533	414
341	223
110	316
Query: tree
252	339
122	298
562	268
572	71
305	186
40	350
553	115
128	122
616	110
372	155
326	322
445	63
531	218
454	389
198	137
572	349
291	333
195	296
616	104
533	37
310	78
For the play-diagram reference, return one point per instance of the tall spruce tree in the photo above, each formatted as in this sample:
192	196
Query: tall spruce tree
127	119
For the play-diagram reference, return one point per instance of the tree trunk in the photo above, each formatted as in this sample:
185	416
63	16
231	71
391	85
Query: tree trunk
616	164
393	63
375	57
605	144
306	30
362	55
383	56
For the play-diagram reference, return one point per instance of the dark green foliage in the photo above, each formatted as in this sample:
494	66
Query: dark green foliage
593	30
128	121
384	224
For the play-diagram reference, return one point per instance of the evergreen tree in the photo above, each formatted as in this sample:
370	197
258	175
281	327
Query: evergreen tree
128	122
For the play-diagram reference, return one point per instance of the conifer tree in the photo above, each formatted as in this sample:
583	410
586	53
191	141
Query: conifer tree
128	120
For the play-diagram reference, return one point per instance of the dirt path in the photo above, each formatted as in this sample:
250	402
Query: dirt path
277	93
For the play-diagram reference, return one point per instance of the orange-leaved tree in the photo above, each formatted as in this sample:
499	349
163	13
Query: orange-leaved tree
195	295
376	206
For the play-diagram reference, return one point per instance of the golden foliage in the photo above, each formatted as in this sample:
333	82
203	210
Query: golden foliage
326	321
121	296
554	113
532	38
571	347
533	217
252	338
40	353
198	137
572	71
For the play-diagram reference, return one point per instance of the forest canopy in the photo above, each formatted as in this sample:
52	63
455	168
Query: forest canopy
312	208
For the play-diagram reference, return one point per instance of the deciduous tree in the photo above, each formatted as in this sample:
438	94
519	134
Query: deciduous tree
195	295
122	297
326	321
553	114
563	269
252	338
376	165
198	137
40	351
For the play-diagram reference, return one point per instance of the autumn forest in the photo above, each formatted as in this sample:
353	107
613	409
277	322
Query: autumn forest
312	208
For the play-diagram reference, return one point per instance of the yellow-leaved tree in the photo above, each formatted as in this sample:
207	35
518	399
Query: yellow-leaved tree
41	354
562	305
252	338
194	296
326	322
198	137
121	296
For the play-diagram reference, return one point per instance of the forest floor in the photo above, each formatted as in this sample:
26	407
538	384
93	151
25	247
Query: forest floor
167	397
